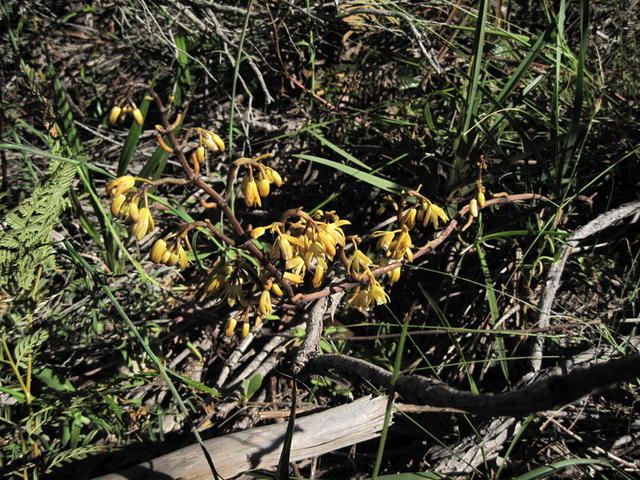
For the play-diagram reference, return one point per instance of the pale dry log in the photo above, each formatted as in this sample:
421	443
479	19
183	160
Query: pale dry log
260	447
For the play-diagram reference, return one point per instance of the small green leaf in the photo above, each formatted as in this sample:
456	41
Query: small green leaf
54	380
252	386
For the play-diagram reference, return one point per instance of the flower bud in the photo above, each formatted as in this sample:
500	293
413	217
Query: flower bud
277	291
257	232
158	250
481	200
246	328
263	185
137	116
201	154
116	204
183	260
114	114
120	185
231	326
274	177
264	306
473	207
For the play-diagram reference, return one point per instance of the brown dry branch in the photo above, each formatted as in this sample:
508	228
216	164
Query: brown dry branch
542	395
428	247
554	276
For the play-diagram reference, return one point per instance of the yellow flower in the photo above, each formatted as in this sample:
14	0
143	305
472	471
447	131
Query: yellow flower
211	140
132	211
263	185
120	185
137	116
275	288
116	204
250	191
282	247
481	199
328	241
246	328
386	237
273	176
257	232
335	230
201	154
359	263
394	275
231	326
264	306
409	218
399	246
292	278
318	275
158	250
296	265
376	294
473	207
114	114
144	225
359	299
438	213
183	260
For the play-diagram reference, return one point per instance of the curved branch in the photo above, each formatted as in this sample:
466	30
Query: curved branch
542	395
555	272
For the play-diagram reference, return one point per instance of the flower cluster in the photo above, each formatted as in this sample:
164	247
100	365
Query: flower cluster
125	203
365	297
120	112
232	282
305	243
249	274
396	244
254	190
169	252
478	201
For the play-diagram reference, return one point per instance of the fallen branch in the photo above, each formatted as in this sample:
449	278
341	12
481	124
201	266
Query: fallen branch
541	395
555	272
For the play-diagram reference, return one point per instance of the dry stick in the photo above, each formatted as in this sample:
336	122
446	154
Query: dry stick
541	395
555	272
309	346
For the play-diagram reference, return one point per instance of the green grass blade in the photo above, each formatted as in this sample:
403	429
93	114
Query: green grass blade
576	113
344	154
464	140
494	310
378	182
131	143
397	369
522	68
554	469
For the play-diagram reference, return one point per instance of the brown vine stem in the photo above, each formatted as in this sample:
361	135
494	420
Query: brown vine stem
429	246
193	177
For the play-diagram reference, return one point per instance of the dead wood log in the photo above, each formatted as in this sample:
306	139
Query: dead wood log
260	447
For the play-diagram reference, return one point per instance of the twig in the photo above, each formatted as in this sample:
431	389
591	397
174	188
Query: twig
309	346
